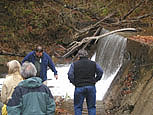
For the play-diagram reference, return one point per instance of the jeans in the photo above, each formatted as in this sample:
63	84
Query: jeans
89	93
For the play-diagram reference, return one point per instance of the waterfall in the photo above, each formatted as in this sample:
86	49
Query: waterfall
109	53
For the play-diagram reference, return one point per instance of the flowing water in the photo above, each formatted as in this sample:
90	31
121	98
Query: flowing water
109	55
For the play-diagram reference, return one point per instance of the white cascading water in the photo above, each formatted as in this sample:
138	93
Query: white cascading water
109	56
110	53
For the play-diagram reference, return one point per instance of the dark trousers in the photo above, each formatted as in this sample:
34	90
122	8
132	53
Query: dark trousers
88	93
1	105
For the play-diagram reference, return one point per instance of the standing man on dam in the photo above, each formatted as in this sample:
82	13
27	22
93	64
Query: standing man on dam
82	75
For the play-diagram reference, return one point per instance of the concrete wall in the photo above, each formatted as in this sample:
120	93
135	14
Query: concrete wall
131	92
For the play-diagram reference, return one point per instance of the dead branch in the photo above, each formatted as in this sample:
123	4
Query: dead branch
125	16
11	54
74	8
92	26
95	34
143	16
107	5
88	39
131	20
112	32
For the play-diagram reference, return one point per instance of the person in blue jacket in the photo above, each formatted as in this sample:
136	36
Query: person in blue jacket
82	75
41	60
31	96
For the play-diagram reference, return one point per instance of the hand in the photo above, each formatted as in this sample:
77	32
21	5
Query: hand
56	76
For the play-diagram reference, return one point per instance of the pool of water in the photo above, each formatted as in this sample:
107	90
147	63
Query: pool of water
62	86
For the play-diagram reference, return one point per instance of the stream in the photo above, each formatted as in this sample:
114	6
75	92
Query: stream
109	55
62	87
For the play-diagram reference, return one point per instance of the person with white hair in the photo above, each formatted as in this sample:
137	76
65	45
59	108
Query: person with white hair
31	96
12	79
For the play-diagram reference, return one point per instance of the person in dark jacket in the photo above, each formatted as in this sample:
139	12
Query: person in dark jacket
41	60
82	75
31	96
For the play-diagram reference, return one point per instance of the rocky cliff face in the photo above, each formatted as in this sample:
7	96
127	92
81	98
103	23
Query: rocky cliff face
131	92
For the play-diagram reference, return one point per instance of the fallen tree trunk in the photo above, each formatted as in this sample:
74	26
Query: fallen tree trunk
76	44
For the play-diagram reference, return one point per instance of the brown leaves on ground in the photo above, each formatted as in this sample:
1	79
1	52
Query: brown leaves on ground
143	39
60	108
60	111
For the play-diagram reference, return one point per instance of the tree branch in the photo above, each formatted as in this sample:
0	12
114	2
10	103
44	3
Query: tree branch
11	54
125	16
92	26
88	39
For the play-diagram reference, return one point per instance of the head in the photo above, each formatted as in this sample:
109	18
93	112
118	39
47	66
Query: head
28	70
39	51
13	66
82	53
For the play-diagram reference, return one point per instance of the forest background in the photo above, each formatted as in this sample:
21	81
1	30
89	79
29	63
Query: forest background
57	23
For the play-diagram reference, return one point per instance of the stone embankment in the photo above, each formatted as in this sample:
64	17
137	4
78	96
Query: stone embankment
131	92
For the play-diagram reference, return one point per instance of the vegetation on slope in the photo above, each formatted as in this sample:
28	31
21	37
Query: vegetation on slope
25	23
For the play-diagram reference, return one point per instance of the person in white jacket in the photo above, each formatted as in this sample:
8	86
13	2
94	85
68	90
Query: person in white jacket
12	79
